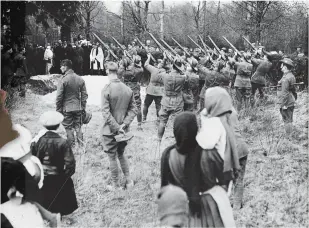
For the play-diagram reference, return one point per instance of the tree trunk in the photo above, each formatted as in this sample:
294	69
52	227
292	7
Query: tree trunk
204	24
162	21
88	26
121	22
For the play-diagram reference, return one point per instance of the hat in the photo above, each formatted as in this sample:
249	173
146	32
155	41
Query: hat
173	208
178	63
287	61
124	137
223	49
112	66
137	60
51	118
193	64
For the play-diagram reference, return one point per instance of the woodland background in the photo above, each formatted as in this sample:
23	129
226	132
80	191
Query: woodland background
277	25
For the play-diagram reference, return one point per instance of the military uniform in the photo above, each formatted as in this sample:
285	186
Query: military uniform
172	102
154	90
191	91
71	101
242	83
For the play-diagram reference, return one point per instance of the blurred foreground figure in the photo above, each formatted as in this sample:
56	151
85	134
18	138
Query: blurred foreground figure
58	161
118	110
287	95
173	207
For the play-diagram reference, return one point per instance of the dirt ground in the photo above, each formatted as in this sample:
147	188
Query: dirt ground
276	184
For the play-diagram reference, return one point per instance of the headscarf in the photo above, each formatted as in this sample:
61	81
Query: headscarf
185	131
218	103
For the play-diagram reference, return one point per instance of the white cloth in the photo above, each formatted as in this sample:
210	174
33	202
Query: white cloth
22	214
97	58
212	134
224	206
48	54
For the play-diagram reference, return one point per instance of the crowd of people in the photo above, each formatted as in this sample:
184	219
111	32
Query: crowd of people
202	173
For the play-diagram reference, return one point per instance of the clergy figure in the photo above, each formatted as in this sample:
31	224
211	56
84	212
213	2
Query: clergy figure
96	60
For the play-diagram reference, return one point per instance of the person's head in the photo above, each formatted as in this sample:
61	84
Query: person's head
286	65
111	69
65	65
51	120
230	51
173	209
298	49
193	64
137	61
21	50
247	56
133	43
148	42
223	49
177	64
7	48
126	62
217	101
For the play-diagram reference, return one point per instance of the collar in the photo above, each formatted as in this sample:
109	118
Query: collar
115	80
70	71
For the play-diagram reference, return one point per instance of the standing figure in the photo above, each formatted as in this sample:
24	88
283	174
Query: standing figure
96	59
118	110
21	75
71	101
56	156
48	57
191	87
287	95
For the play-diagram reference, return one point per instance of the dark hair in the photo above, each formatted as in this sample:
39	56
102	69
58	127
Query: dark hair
52	128
14	173
66	62
289	67
20	49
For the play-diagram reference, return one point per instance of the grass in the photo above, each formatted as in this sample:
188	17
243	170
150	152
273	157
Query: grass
276	185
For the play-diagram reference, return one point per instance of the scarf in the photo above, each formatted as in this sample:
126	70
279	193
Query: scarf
218	103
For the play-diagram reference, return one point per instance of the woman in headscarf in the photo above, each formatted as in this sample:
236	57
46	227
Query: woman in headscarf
203	171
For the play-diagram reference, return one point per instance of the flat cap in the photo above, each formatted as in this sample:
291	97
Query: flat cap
287	61
111	66
51	118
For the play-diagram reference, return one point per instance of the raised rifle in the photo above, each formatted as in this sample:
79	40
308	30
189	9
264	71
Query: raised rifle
163	49
182	48
197	45
169	47
123	48
214	44
106	46
143	46
205	46
235	49
250	44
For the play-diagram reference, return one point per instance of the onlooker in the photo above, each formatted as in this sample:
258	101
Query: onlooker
48	57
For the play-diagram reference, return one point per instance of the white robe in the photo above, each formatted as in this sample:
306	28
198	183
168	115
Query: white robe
96	58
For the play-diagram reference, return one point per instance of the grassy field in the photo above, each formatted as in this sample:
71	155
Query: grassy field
276	181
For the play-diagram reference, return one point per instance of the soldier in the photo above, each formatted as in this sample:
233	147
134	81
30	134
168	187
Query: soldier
287	95
242	82
191	86
154	90
172	101
263	67
71	101
118	110
131	75
21	74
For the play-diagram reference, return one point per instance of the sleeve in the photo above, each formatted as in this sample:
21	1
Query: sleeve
150	68
132	111
5	223
69	161
84	95
107	116
255	61
59	97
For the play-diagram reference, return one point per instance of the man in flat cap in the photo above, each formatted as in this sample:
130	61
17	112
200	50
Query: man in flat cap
287	95
71	101
56	156
173	207
118	110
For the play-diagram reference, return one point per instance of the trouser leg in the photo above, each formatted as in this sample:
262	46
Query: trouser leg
70	136
239	184
124	163
158	104
113	168
147	102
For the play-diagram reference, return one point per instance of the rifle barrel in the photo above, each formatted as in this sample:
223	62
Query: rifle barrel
113	54
143	46
197	44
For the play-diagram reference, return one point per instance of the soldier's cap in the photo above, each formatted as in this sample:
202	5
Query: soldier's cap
51	118
287	61
112	66
137	60
193	63
66	62
178	63
173	205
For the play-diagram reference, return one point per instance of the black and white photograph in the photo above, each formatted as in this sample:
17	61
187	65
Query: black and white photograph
155	113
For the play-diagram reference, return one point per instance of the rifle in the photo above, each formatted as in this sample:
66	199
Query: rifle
250	44
123	48
143	46
214	44
168	54
235	49
197	45
106	46
187	53
169	47
205	46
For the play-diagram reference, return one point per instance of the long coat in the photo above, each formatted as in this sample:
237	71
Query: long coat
96	58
